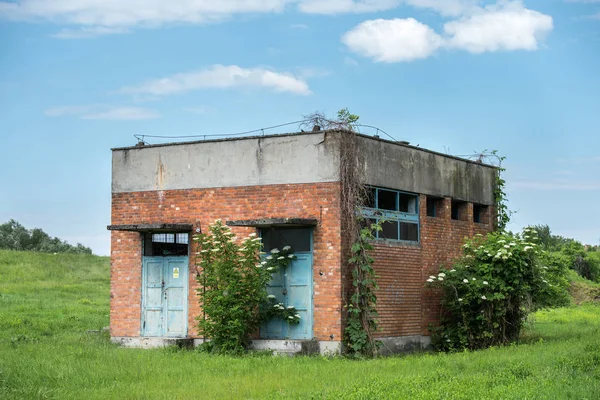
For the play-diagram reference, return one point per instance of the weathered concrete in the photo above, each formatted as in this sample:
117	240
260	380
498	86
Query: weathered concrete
152	227
389	345
297	158
267	222
397	166
330	348
283	159
151	342
403	344
288	347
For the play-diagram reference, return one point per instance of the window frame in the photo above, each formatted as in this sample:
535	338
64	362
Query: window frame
393	216
148	240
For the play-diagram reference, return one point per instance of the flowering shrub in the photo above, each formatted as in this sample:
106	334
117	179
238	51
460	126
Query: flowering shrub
490	290
233	280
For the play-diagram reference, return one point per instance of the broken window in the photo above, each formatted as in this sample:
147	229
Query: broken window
480	213
166	244
458	210
399	212
277	238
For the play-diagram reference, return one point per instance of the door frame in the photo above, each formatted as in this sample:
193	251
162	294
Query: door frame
185	289
311	289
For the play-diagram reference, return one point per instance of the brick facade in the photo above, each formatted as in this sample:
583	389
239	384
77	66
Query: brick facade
201	207
405	306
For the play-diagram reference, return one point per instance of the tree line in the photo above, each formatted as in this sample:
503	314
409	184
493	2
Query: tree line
14	236
583	259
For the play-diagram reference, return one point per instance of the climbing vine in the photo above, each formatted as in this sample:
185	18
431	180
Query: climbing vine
361	300
362	314
502	212
233	279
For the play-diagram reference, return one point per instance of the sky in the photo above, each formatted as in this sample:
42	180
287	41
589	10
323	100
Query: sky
79	77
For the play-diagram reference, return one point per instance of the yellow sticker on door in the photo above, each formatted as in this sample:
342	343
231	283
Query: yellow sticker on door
175	273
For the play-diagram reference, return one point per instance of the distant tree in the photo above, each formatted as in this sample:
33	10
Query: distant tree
14	236
582	259
549	241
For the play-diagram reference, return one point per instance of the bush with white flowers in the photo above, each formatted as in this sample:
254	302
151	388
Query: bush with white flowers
232	292
490	290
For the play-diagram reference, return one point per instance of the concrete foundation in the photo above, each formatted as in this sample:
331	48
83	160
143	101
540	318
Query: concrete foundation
389	345
403	344
152	342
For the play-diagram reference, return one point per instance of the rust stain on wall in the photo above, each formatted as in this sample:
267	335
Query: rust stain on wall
160	174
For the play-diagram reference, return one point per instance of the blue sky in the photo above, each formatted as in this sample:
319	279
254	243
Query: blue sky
457	76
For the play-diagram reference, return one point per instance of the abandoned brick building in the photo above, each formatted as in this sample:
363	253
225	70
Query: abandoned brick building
287	189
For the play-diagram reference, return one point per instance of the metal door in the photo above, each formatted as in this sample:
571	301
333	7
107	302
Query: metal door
164	296
292	286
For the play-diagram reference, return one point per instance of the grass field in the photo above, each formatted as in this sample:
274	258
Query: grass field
48	303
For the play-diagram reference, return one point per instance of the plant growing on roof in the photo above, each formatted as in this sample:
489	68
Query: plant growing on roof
233	278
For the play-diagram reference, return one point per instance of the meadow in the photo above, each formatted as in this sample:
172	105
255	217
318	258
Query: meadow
53	309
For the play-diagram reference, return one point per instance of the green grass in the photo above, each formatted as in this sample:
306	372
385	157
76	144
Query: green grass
582	290
48	303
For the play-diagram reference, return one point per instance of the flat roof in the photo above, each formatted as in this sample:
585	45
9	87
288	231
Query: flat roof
229	139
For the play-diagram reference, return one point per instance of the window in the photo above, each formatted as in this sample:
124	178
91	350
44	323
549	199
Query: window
434	206
480	213
277	238
459	210
165	244
398	210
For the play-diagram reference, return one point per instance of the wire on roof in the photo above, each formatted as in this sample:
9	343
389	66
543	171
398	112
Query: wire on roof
142	138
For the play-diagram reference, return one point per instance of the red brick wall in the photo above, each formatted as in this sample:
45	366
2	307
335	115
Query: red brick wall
320	201
405	305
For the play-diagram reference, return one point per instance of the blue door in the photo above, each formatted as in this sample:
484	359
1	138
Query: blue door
291	286
164	296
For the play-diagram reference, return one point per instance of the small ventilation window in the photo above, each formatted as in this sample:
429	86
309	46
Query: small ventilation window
434	206
480	213
459	210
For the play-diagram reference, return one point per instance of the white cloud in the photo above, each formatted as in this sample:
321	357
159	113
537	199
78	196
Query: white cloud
68	110
221	77
346	6
99	111
452	8
129	13
444	7
505	26
87	33
395	40
123	113
298	26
